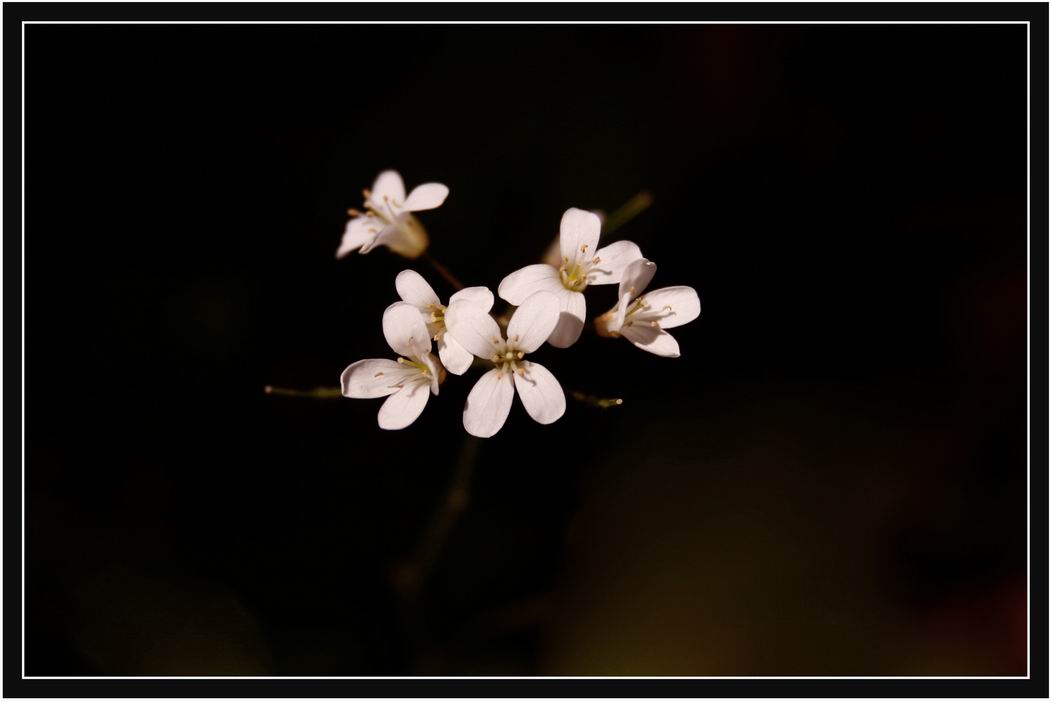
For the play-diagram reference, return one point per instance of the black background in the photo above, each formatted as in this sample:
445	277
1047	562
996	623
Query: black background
830	480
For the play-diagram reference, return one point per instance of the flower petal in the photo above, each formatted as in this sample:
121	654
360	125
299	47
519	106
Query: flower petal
673	306
579	234
433	371
368	379
455	357
403	236
412	288
540	393
523	282
533	321
359	233
488	404
480	296
388	234
472	328
613	259
636	276
388	187
405	331
572	311
653	339
404	406
426	196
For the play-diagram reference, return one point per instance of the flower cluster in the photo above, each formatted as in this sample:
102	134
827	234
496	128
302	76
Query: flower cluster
550	307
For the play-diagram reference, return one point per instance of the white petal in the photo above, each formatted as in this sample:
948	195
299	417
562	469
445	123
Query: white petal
685	306
579	234
455	357
480	296
488	403
368	379
540	393
431	363
404	236
553	254
572	311
412	288
426	196
405	331
359	232
613	259
472	328
404	406
533	321
387	234
636	276
388	187
652	339
533	278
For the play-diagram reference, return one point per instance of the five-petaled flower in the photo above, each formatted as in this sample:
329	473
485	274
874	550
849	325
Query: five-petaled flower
490	400
582	265
388	220
412	288
643	318
406	381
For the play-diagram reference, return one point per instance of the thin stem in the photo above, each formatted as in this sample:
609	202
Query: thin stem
595	401
443	271
316	393
627	211
412	574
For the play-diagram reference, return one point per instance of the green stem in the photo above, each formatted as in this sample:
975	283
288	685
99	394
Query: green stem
412	574
595	401
626	212
443	271
316	393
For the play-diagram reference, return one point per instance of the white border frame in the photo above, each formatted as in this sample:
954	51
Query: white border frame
531	22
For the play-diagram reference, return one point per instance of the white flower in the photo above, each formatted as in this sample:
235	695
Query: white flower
643	318
582	265
406	381
387	219
490	400
412	288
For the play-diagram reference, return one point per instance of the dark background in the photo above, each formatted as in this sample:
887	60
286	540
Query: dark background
830	480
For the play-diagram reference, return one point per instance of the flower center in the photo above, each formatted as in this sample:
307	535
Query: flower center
641	312
506	356
437	314
574	273
386	213
424	370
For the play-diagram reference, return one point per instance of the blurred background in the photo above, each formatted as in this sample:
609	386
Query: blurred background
831	480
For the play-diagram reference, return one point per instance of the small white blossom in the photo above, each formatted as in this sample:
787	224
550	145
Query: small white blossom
388	220
490	400
406	381
583	264
643	318
412	288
